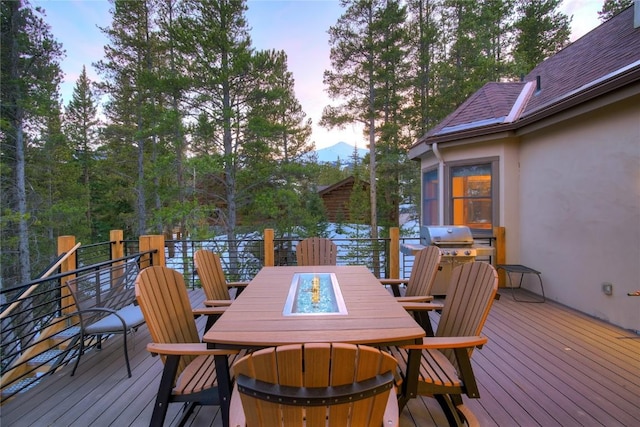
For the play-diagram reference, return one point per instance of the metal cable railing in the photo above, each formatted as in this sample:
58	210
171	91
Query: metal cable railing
37	336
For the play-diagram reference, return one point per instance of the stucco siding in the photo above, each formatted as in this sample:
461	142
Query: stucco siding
510	199
580	211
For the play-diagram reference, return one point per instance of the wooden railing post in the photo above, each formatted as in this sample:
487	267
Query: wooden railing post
394	253
269	257
150	243
116	239
65	243
501	253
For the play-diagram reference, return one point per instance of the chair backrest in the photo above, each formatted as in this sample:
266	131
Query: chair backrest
316	251
211	274
317	370
164	301
470	294
111	287
423	272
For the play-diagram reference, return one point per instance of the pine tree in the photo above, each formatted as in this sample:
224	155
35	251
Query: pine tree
30	76
394	137
214	38
495	37
612	7
424	33
276	143
57	175
369	71
462	59
81	129
128	73
355	57
541	31
173	84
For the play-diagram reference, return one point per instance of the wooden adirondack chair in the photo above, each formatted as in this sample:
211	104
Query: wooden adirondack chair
316	251
441	365
192	372
213	280
315	384
422	278
418	287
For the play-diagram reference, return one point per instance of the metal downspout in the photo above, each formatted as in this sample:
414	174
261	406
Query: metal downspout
438	155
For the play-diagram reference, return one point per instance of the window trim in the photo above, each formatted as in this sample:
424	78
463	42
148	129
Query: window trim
437	198
494	161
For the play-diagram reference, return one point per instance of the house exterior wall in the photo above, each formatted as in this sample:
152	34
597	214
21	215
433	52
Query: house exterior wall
580	210
569	199
336	203
337	200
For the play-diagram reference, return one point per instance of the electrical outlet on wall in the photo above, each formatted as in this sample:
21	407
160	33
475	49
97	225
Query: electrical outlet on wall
607	288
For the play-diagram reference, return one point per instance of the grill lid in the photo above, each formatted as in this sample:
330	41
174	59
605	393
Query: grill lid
446	235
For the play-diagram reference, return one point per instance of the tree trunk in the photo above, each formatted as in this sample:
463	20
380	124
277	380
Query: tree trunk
17	118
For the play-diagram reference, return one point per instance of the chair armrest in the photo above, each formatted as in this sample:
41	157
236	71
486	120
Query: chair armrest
236	410
423	298
189	349
208	311
217	302
438	363
421	306
394	282
392	411
237	284
447	342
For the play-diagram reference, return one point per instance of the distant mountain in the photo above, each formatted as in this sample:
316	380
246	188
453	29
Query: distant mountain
341	150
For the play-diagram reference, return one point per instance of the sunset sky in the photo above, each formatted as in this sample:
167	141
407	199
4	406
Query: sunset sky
298	27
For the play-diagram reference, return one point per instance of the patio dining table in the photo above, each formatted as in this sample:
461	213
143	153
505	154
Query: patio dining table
264	315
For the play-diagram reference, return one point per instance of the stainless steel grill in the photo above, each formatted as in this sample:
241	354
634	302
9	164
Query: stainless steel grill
453	240
456	247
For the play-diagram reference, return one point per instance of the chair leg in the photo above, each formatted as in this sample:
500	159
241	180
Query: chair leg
423	319
187	410
75	366
449	410
410	382
211	319
395	290
126	353
224	386
164	391
468	417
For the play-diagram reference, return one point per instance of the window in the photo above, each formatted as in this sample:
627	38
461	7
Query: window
471	194
430	197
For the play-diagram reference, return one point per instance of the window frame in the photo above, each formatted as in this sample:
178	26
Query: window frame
436	198
494	163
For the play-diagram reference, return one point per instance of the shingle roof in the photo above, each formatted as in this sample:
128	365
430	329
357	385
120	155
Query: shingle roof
601	53
609	47
490	105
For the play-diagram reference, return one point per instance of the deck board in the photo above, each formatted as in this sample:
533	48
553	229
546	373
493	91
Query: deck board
544	365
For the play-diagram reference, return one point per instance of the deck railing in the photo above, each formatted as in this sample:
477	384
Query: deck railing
38	334
38	339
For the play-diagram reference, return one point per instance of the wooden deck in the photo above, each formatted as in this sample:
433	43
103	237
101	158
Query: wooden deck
544	365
